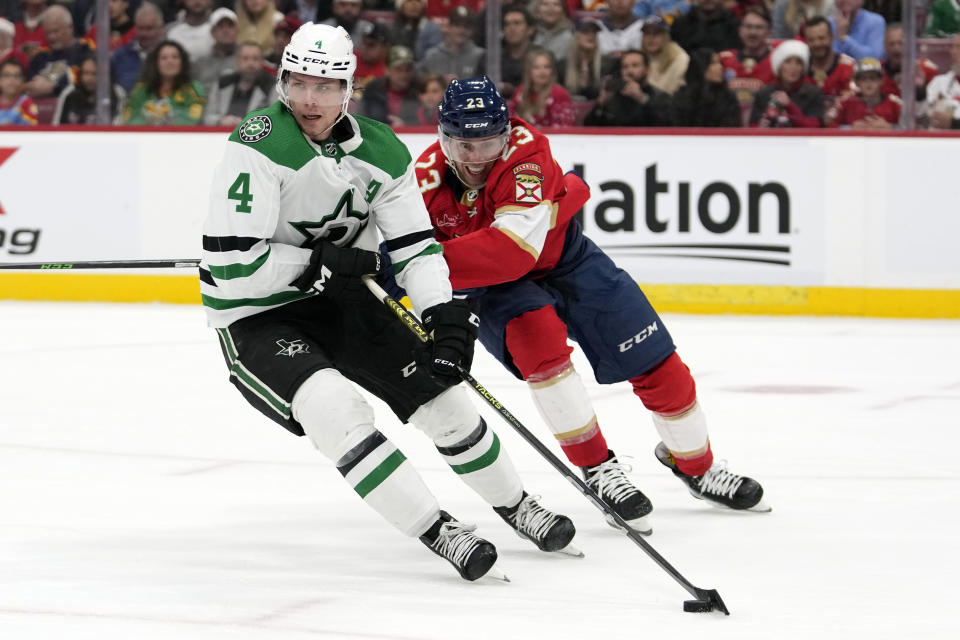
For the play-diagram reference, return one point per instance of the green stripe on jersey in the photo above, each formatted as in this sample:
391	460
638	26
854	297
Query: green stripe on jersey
380	473
221	304
263	391
482	462
381	147
435	247
238	269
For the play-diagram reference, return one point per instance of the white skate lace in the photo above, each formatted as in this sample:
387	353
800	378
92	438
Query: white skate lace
718	481
610	479
533	519
455	541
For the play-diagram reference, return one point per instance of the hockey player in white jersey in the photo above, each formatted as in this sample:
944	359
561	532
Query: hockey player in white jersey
295	206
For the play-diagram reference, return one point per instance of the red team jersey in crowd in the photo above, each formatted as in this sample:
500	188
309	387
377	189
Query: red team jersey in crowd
838	80
852	108
736	65
513	226
891	82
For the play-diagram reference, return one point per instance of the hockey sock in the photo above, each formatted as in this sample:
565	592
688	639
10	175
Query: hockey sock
669	391
483	466
382	476
537	341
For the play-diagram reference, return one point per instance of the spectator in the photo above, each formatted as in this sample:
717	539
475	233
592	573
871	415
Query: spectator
518	32
830	71
246	89
457	56
127	60
859	33
869	108
121	26
705	100
29	34
752	60
414	30
223	57
346	14
893	65
554	31
668	62
431	95
440	8
789	16
282	32
304	11
393	99
584	68
16	107
255	22
7	50
707	24
622	31
165	95
192	28
371	56
669	10
539	99
627	99
943	93
78	102
789	101
53	69
943	19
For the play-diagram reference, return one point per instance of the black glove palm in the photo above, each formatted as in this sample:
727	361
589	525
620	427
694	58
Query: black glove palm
335	271
453	329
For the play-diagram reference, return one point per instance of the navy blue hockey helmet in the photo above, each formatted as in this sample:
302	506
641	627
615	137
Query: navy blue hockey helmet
473	108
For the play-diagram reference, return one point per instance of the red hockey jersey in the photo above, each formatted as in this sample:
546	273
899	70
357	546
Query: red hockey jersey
838	80
515	224
891	82
852	108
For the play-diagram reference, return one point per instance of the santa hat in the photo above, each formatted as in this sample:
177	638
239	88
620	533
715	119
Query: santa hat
790	49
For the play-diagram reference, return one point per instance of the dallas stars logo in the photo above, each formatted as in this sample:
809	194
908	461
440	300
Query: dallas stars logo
292	349
340	227
255	129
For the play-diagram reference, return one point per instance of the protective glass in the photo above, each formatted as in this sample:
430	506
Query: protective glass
320	91
473	150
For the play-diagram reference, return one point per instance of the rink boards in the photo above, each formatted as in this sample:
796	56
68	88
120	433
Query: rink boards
705	222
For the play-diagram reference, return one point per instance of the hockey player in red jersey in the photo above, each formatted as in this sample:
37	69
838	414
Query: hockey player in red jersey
503	211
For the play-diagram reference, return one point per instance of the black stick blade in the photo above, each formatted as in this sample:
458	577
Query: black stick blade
709	601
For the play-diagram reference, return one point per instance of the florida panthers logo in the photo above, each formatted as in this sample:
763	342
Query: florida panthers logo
529	183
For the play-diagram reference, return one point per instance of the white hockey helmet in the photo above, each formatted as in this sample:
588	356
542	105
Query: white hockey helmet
322	51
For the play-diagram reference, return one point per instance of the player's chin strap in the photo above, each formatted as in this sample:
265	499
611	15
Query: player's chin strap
707	599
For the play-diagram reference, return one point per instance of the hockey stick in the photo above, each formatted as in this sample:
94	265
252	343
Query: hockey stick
104	264
706	599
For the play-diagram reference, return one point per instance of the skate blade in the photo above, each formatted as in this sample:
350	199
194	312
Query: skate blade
760	507
571	550
640	525
496	574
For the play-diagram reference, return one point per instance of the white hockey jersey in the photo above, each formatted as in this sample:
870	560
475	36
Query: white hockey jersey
275	191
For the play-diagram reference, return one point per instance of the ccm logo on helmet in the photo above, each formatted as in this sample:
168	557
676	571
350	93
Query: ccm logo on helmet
317	61
476	125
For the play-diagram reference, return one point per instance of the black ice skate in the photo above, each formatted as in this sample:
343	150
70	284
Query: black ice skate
611	483
718	486
472	556
549	531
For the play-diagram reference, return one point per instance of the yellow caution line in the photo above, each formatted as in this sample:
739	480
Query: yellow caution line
705	299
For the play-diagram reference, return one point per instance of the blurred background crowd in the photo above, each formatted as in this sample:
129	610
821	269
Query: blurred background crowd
560	63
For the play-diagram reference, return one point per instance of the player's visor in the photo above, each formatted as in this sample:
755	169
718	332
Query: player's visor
473	150
319	91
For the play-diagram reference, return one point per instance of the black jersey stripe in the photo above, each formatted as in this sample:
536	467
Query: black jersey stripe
229	243
207	278
468	443
361	451
409	239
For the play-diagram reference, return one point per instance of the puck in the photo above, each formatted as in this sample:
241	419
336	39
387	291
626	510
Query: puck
697	606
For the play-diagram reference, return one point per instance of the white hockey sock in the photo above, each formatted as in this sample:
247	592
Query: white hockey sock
685	434
564	405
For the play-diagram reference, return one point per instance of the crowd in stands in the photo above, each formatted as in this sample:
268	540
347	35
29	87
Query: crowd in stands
563	63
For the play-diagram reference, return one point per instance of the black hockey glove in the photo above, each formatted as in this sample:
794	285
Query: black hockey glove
453	330
335	271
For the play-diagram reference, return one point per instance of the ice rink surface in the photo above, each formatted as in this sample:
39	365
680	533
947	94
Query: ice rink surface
140	497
